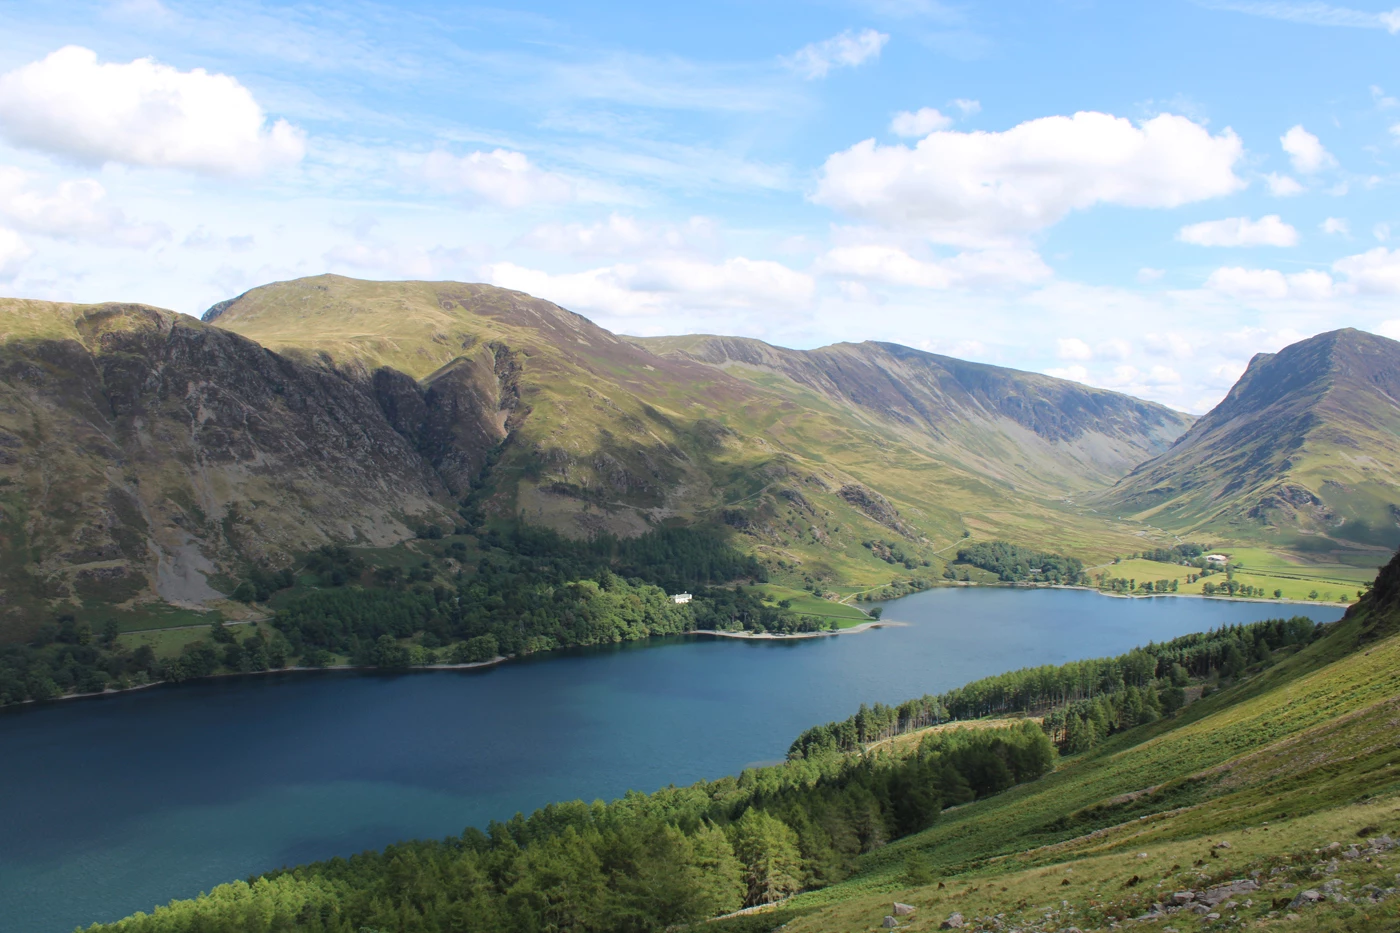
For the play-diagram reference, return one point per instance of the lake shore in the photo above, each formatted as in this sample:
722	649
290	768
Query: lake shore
753	636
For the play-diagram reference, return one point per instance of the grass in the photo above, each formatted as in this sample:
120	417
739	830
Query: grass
1275	574
1288	761
804	603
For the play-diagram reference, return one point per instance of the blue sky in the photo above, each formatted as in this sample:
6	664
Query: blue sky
1138	196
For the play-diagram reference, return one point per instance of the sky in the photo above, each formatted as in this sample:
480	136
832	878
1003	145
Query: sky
1137	196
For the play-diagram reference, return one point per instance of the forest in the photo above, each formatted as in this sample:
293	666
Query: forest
643	863
1013	563
531	590
1110	693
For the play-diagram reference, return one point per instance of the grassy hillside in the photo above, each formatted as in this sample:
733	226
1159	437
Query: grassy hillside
1301	456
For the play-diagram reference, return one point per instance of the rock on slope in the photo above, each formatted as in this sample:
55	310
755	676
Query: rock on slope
1304	451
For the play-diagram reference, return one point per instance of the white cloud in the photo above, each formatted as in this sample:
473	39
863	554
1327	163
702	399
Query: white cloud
1240	231
1072	373
1283	186
142	113
621	235
1389	329
1381	231
1072	348
1115	348
981	188
1306	152
1147	274
968	107
920	122
73	210
1375	272
14	253
501	176
1312	13
1169	344
1336	225
665	285
847	50
1270	284
1382	100
894	266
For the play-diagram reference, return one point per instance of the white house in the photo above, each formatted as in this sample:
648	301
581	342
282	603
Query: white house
1218	558
680	599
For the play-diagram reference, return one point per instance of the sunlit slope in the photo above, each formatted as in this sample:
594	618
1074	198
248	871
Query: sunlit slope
1279	766
618	434
141	452
1303	454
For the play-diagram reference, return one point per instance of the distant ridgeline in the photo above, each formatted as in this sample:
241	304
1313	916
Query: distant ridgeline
531	590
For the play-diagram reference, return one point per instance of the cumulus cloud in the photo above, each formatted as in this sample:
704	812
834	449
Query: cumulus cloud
73	210
1389	329
142	113
14	253
1306	152
893	266
968	107
982	188
1072	348
501	177
1270	284
1336	225
665	285
920	122
1240	231
1283	186
620	235
1375	272
1169	344
848	50
1072	373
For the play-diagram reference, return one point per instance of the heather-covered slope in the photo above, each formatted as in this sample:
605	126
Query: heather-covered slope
1304	453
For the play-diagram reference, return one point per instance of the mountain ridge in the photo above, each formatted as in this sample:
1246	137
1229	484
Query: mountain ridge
1304	445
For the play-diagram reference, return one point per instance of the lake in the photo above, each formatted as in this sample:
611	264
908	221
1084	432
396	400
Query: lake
114	804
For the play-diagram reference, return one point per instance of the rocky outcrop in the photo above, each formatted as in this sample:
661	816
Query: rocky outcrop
145	452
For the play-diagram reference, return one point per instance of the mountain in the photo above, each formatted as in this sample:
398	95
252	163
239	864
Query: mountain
1304	453
805	454
146	456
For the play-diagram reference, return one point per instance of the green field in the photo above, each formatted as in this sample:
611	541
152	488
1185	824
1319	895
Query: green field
804	603
1332	583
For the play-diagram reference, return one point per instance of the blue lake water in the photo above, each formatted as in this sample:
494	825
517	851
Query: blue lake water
115	804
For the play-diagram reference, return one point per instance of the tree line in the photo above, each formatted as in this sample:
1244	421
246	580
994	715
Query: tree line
1013	563
639	864
532	590
1134	682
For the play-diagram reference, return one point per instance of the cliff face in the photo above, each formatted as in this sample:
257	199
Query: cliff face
142	452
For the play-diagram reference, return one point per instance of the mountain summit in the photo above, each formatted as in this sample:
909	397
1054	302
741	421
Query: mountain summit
1304	451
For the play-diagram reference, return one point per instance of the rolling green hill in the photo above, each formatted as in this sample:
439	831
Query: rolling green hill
1302	455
